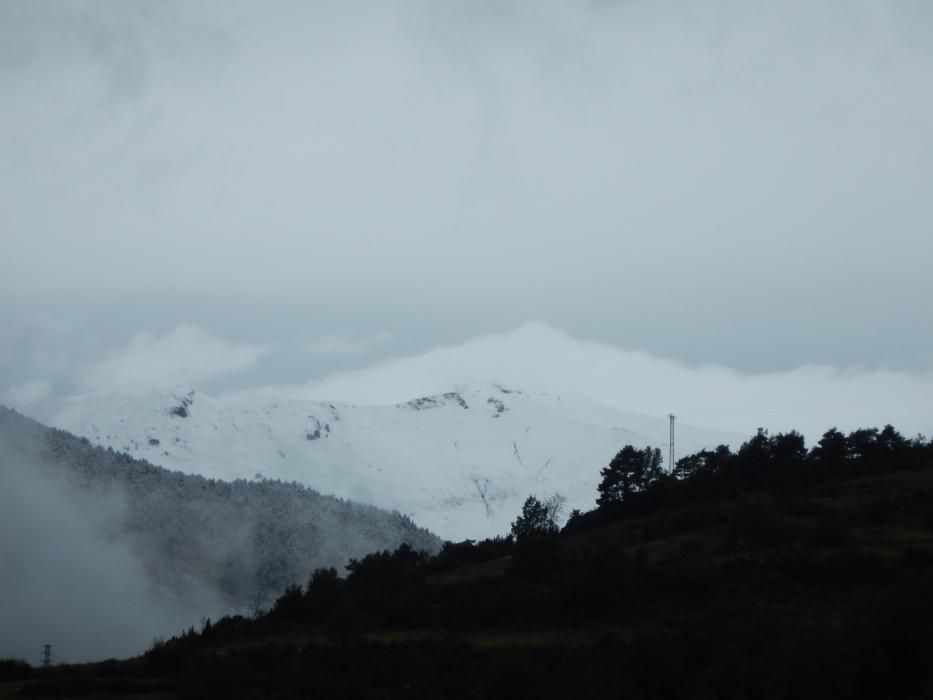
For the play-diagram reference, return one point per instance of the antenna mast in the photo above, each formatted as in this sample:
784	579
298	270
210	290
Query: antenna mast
46	655
672	418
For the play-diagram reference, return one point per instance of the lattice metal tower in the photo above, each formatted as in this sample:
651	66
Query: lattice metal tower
46	655
672	418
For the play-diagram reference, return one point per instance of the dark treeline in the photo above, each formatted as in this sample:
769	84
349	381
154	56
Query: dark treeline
774	571
634	484
756	486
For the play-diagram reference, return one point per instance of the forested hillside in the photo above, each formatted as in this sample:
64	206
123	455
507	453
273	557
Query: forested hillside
242	541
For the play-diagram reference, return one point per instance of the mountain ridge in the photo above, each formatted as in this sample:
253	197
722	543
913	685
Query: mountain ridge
459	463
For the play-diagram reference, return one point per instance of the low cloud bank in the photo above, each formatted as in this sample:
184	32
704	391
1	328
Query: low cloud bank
536	356
184	355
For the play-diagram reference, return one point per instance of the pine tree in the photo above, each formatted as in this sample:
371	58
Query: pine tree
536	519
629	471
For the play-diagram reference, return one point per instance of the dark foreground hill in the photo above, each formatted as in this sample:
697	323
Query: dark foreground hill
772	573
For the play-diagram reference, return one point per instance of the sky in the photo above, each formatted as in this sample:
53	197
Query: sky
239	195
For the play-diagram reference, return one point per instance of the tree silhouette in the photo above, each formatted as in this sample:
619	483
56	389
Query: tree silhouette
629	471
536	518
832	450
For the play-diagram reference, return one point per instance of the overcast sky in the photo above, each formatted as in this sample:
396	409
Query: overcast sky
292	189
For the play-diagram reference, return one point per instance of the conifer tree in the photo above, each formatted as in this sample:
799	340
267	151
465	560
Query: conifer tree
629	471
536	519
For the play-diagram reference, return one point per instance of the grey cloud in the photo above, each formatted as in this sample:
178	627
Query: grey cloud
186	355
811	398
716	183
341	345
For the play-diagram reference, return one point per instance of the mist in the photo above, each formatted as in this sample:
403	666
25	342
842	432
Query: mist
374	370
70	578
101	554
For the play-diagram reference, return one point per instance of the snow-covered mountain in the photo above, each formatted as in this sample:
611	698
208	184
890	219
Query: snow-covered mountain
459	463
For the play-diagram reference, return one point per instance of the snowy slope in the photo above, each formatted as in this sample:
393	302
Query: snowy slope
459	463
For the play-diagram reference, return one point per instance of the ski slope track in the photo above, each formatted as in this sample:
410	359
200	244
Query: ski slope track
459	463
